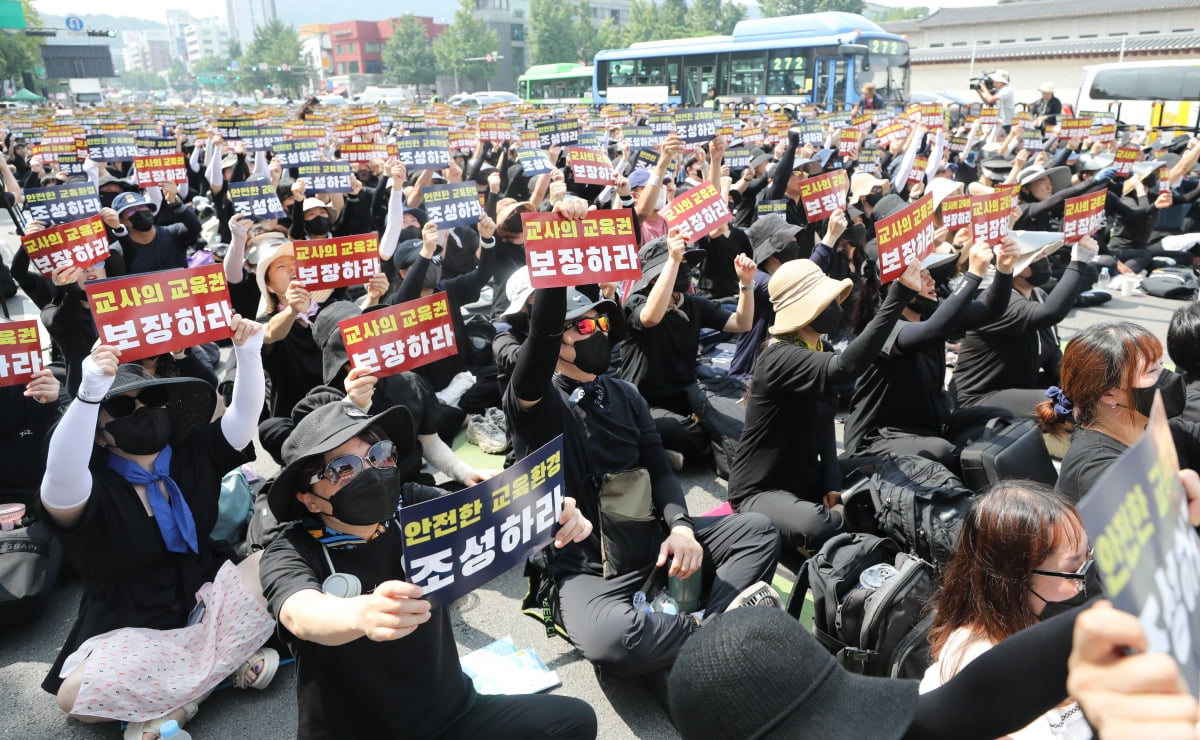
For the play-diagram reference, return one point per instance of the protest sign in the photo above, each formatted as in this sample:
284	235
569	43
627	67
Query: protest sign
494	129
148	145
698	212
1147	552
264	138
990	216
590	166
737	158
848	141
231	127
80	243
696	125
904	237
895	131
824	194
256	198
933	116
1083	215
295	152
428	150
1125	158
1022	118
457	543
401	337
156	169
917	172
1031	140
336	262
453	204
765	207
111	147
557	132
20	351
59	204
868	161
599	248
645	159
811	132
641	137
534	162
362	152
1074	127
1105	133
956	144
1014	193
325	177
156	312
956	212
989	116
661	122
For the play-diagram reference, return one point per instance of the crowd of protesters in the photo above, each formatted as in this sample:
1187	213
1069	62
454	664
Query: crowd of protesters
126	463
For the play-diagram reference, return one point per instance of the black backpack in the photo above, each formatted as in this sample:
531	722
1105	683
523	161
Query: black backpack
1171	282
920	504
873	632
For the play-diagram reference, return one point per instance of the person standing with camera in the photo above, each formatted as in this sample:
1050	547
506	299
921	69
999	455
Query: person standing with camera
994	89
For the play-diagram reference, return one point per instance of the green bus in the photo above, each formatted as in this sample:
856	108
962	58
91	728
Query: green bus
556	84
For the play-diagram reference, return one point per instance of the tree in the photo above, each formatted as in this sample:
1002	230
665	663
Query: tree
775	8
408	55
714	17
178	75
273	60
643	22
673	19
142	79
553	33
19	52
608	36
467	38
903	14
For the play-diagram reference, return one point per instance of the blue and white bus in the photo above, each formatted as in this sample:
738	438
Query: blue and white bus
819	58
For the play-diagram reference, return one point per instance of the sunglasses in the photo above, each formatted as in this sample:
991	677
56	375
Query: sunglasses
343	468
1079	576
118	407
588	326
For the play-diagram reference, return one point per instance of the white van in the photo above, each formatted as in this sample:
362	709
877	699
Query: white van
1163	94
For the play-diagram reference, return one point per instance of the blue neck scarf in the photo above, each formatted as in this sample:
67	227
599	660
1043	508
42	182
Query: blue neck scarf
172	514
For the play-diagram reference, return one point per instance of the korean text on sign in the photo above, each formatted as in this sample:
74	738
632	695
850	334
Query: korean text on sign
695	125
80	243
256	198
990	216
597	249
429	150
824	194
534	162
158	168
337	262
364	151
112	147
325	177
402	337
20	351
59	204
557	132
166	311
457	543
956	212
295	152
1136	518
454	204
1125	158
1083	215
698	212
904	237
590	166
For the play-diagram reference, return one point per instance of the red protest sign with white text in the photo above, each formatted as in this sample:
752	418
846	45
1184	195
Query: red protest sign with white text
20	351
904	237
337	262
81	243
990	216
1083	215
600	248
590	166
956	212
1125	158
698	212
824	194
165	311
1014	193
402	337
160	168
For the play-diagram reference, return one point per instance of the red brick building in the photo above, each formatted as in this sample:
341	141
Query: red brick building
358	45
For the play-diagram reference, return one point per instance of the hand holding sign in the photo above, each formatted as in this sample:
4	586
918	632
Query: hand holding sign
1007	255
575	526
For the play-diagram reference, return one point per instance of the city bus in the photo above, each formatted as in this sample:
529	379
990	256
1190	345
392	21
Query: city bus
556	84
1164	94
818	58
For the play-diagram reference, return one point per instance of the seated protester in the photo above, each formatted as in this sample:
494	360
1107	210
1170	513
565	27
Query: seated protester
347	474
785	184
1134	215
147	247
745	192
241	260
1043	192
718	278
70	322
866	191
312	218
1110	373
1010	361
30	412
774	243
510	248
1022	557
132	483
355	218
1183	345
841	254
659	357
786	466
899	405
649	186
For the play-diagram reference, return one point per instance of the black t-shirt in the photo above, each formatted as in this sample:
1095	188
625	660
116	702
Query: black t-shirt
130	578
22	433
1092	452
294	362
414	393
1008	353
410	687
73	331
509	258
718	278
166	251
661	360
244	296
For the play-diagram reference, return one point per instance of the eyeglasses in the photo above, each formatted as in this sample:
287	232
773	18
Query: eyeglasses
588	326
1079	576
343	468
118	407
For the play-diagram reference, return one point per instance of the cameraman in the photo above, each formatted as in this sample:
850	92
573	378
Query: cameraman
994	89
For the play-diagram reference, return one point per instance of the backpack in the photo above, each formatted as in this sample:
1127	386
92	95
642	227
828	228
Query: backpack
1171	282
920	504
873	632
30	559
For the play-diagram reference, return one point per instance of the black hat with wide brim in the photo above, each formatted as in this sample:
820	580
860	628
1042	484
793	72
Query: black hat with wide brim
653	258
191	401
325	429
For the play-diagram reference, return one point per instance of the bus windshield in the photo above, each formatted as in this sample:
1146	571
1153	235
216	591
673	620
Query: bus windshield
889	69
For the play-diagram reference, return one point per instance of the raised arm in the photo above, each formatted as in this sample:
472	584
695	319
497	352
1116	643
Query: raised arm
249	390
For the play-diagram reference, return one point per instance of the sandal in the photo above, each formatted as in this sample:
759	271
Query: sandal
270	661
135	730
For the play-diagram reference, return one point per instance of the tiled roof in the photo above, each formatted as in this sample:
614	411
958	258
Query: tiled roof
1032	11
1065	48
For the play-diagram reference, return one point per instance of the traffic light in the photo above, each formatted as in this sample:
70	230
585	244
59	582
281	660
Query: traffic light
98	32
40	32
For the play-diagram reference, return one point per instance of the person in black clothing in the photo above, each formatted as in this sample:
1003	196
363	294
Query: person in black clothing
29	413
1183	345
347	475
1010	362
774	241
1134	216
744	193
718	277
785	184
69	321
1046	109
1043	192
786	466
899	406
148	247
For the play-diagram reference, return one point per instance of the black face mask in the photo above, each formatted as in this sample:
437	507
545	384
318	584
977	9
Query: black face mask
923	306
829	320
513	224
144	432
106	199
593	353
410	232
874	197
372	497
1174	394
790	251
318	226
1039	273
1092	587
141	220
683	281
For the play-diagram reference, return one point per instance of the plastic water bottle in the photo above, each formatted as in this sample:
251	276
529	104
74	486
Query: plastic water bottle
171	730
875	576
1105	278
665	604
639	602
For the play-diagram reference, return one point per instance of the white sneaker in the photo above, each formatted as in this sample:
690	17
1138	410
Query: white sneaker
484	434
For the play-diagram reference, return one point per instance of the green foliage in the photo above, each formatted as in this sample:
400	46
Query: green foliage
714	17
142	79
903	14
274	45
775	8
673	19
18	52
466	38
643	23
408	55
608	36
554	31
210	66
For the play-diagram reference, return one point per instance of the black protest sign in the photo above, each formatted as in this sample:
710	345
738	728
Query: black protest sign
256	198
325	177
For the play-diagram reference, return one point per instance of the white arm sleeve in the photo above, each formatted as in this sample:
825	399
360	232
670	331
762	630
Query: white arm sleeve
395	223
440	456
241	418
215	176
68	482
235	257
194	159
92	172
155	196
260	164
900	179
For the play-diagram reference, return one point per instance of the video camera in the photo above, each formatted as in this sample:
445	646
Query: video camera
983	81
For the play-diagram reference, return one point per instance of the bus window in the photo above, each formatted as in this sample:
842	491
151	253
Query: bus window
650	72
1147	83
746	74
786	72
889	72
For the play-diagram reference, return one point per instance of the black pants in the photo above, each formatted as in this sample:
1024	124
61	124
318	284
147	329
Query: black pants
964	427
598	613
803	525
524	717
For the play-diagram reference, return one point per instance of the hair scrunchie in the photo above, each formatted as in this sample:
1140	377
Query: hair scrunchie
1062	404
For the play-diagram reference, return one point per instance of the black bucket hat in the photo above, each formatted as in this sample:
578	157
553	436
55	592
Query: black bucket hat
653	257
327	337
770	234
191	401
325	429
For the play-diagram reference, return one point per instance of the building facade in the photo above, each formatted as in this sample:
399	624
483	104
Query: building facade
246	16
205	37
146	50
